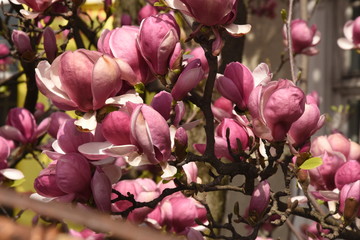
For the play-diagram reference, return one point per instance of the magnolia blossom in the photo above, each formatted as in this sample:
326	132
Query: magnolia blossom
146	11
216	13
274	107
158	42
222	108
350	200
38	6
304	39
352	35
50	44
9	173
143	189
238	82
81	80
188	79
259	201
309	122
121	43
148	142
21	126
238	133
4	60
21	41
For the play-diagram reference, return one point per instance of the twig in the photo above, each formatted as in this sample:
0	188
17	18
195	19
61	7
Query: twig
290	47
87	217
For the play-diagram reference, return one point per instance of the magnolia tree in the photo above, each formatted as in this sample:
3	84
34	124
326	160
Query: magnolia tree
137	91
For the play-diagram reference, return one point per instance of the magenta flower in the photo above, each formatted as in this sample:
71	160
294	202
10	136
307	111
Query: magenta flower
143	189
80	80
274	107
304	39
4	60
238	132
238	82
68	178
188	79
111	130
38	6
259	202
349	172
352	35
178	213
334	143
157	41
121	43
350	201
146	11
216	13
222	108
56	120
323	177
198	53
21	126
50	43
162	102
21	41
303	128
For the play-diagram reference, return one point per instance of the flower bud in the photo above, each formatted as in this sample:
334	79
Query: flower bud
50	44
188	79
21	41
236	84
157	39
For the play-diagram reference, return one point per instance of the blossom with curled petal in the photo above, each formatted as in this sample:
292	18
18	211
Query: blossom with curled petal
21	126
274	107
352	35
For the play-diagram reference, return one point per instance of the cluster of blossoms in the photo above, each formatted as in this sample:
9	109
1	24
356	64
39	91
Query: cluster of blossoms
124	149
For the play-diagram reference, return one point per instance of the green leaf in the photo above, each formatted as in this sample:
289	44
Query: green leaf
17	183
311	163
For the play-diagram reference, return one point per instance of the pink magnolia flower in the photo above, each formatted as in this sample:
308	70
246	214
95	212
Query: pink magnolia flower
146	11
352	35
21	41
303	128
238	82
304	39
4	59
188	79
274	107
143	190
9	173
87	234
21	126
50	43
158	42
162	102
56	120
259	202
178	213
323	177
336	142
81	80
216	13
113	134
149	140
350	200
267	9
121	43
38	6
238	132
198	53
68	178
101	189
349	172
222	108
